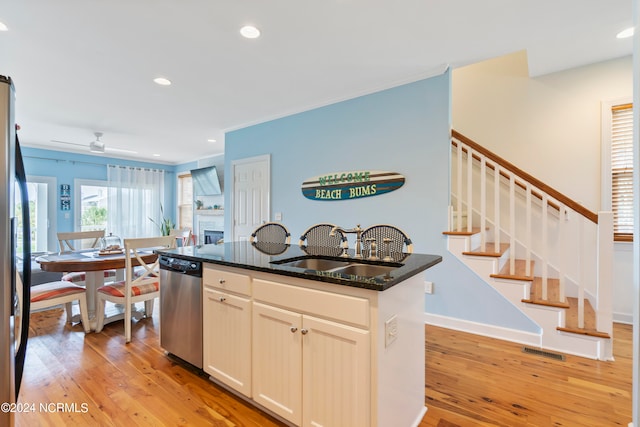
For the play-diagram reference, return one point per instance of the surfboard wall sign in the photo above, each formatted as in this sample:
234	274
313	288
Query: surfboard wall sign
351	185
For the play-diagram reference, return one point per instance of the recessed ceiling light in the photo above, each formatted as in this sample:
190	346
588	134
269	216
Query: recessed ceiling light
625	33
211	140
3	27
250	32
162	81
156	155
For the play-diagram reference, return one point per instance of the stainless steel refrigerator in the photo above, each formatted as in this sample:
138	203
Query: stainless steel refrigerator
15	250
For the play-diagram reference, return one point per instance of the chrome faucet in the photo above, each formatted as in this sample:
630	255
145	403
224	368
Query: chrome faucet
373	249
358	232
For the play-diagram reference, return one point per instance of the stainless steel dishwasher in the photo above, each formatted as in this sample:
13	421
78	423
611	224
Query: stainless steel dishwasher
181	308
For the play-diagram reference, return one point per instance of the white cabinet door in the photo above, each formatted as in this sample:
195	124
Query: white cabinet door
227	339
277	361
336	374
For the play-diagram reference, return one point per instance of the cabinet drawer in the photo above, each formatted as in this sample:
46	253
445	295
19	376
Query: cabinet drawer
343	308
226	280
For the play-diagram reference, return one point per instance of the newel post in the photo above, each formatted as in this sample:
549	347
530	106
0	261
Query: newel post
604	298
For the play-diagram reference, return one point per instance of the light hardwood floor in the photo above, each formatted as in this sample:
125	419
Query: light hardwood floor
470	381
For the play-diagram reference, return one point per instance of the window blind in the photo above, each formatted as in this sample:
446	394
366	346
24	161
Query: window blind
622	170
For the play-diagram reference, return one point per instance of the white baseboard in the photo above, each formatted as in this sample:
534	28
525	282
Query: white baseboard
418	420
491	331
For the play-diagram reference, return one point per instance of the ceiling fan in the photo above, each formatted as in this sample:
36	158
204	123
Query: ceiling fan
96	146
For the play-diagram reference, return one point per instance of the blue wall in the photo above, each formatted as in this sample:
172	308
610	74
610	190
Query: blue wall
66	167
404	129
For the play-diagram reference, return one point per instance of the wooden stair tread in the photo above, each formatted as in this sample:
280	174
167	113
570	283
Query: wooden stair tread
591	333
489	251
519	272
474	230
571	320
553	293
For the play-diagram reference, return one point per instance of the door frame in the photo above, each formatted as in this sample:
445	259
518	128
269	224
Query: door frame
234	163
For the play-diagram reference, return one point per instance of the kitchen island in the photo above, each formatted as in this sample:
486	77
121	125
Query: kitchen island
313	337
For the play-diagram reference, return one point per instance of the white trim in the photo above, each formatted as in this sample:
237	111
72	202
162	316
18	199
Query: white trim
419	418
483	329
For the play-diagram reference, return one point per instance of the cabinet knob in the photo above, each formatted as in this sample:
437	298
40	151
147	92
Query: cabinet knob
293	329
304	331
221	281
222	299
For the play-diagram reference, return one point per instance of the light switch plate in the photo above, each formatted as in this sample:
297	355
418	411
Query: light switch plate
428	287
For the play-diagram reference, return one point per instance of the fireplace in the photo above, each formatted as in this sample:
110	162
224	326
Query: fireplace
213	236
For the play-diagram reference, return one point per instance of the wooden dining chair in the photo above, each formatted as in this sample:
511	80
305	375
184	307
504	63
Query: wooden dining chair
272	232
76	240
320	235
141	287
184	235
69	241
53	294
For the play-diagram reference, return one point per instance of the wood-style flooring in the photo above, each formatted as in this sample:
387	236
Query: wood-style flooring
73	379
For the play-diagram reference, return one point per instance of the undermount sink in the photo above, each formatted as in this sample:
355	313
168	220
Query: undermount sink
321	264
346	266
365	270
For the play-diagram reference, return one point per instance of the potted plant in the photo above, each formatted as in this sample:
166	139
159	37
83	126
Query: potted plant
165	225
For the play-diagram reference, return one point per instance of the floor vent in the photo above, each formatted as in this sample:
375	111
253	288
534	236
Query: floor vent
549	354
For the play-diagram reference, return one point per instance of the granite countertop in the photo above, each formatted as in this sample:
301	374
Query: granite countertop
261	256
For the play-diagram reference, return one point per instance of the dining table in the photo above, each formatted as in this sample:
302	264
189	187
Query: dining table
93	262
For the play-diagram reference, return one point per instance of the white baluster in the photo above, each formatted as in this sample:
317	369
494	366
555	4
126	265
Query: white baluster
562	215
483	204
528	243
512	224
582	273
544	252
459	187
496	208
469	188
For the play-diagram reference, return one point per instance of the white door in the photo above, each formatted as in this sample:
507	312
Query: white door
251	195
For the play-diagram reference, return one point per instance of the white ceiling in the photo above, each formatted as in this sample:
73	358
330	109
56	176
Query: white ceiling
81	66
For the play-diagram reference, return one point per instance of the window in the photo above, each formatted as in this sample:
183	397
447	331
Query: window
91	209
135	202
622	171
185	201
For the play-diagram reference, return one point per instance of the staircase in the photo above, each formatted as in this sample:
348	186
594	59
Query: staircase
546	254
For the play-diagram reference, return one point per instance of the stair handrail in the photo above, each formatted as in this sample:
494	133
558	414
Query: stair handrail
504	164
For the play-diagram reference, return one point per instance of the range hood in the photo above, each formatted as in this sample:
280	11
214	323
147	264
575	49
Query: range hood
205	181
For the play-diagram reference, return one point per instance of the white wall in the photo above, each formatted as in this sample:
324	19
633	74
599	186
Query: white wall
550	127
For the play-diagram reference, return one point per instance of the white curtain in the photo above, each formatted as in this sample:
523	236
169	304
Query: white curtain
135	198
